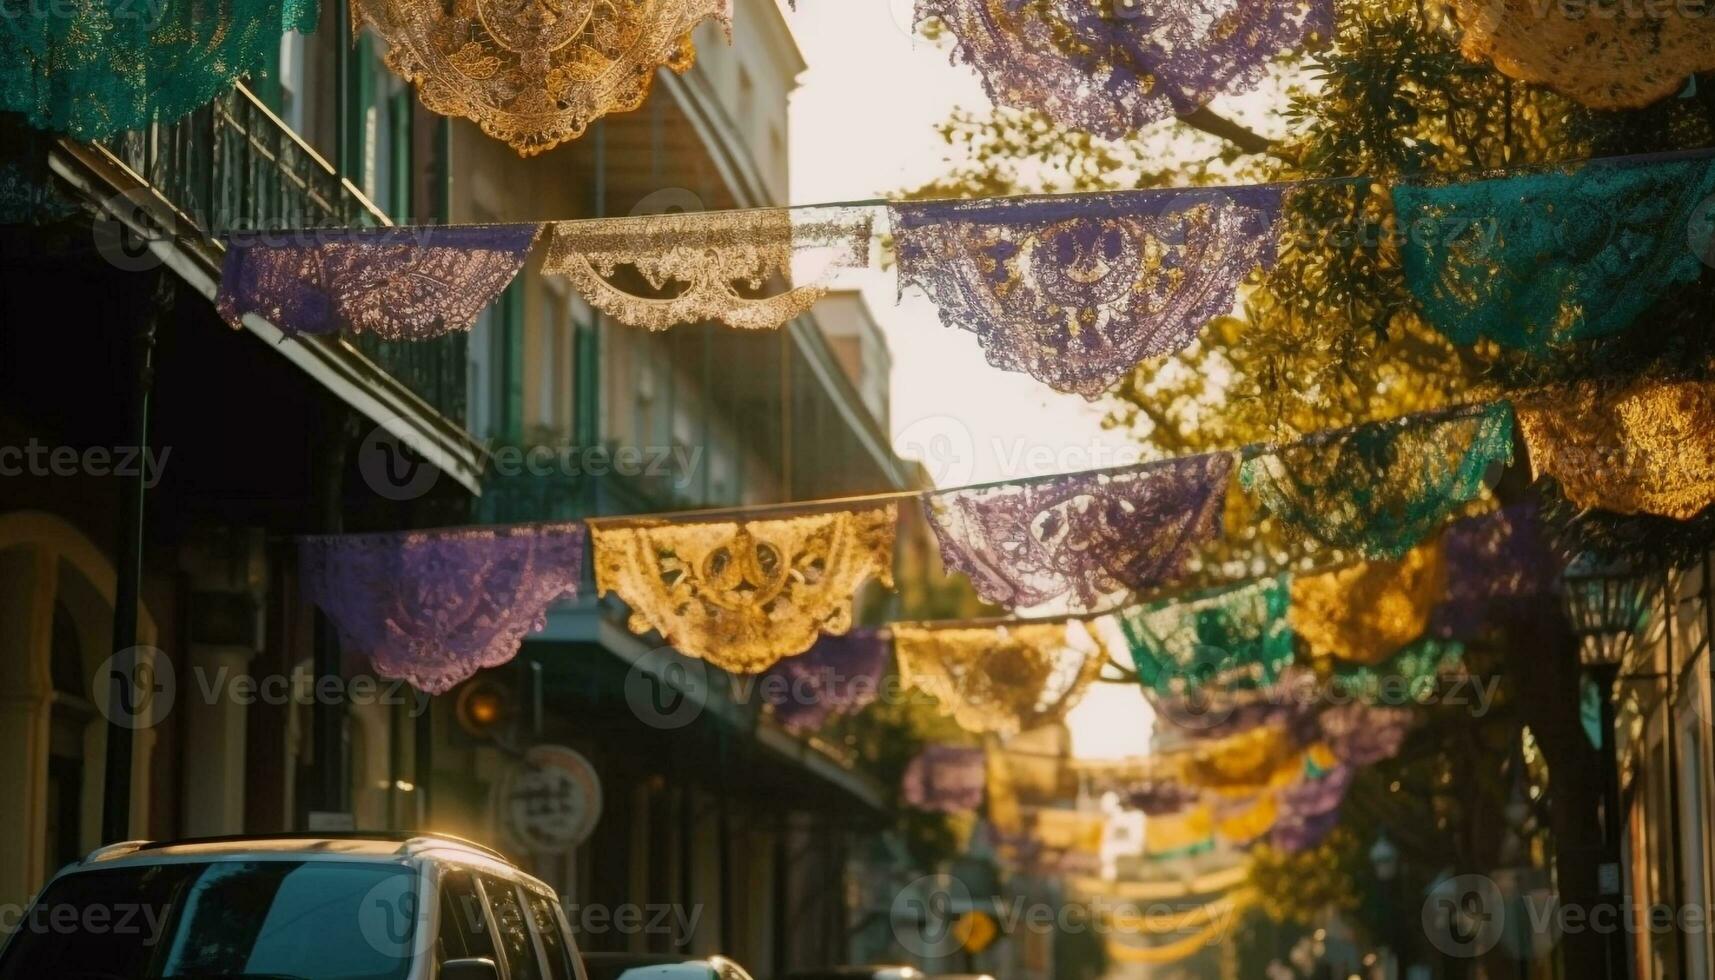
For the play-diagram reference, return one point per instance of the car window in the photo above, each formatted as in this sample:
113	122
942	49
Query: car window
548	929
464	929
514	937
326	919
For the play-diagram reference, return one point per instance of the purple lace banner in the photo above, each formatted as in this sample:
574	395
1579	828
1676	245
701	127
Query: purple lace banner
1083	539
1077	290
1300	833
837	676
397	283
434	607
1362	734
1493	557
946	779
1111	69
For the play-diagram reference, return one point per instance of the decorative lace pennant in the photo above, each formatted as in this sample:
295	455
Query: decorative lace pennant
742	595
397	283
720	262
1177	835
1605	55
945	779
1308	811
1081	540
536	75
840	675
1646	448
1365	734
1540	260
1076	291
1380	488
96	68
1212	711
1367	612
1242	763
1416	672
1231	639
1002	679
1111	69
1244	821
1492	558
434	607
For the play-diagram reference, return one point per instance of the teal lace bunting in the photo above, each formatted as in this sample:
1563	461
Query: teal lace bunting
1234	639
95	68
1381	488
1541	260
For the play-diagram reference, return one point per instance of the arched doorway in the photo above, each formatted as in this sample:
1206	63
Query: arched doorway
56	620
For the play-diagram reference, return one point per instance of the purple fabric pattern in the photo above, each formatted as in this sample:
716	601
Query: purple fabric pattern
397	283
1084	539
1113	69
434	607
1495	556
1363	735
1290	703
1315	797
837	676
945	779
1077	291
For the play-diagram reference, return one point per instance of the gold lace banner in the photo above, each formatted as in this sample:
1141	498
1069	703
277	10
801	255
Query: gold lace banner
1070	830
743	595
1001	679
1261	758
535	74
1365	613
1605	55
717	265
1645	448
1178	833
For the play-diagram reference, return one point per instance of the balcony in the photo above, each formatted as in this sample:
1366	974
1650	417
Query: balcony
232	166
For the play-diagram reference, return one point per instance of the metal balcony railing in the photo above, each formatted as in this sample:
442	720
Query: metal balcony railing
234	165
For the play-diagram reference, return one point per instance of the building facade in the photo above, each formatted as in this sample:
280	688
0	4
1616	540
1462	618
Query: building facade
268	725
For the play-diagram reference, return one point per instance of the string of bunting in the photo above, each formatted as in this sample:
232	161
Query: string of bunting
748	587
1075	290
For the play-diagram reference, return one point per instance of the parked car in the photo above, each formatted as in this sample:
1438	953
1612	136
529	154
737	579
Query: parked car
631	966
363	907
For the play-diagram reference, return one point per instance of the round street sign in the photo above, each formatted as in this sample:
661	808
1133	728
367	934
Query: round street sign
549	801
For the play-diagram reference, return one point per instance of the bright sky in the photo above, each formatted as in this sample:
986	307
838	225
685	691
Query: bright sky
862	126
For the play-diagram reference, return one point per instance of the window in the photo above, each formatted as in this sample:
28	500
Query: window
514	931
552	933
339	919
464	928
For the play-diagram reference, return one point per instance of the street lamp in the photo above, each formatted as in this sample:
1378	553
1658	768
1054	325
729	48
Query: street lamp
1614	611
1384	858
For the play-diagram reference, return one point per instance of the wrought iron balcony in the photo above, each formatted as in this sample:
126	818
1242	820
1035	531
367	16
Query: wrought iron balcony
234	165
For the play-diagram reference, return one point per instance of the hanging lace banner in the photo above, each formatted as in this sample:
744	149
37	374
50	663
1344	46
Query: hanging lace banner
1084	540
1366	612
1492	558
1000	679
1604	55
96	68
1179	835
1380	488
397	283
1540	260
1365	734
1242	822
1309	810
945	779
1646	448
840	675
535	75
1231	639
1245	763
721	265
1111	69
1075	291
1211	712
434	607
744	594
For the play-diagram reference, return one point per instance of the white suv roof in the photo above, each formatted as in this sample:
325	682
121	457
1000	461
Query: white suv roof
376	847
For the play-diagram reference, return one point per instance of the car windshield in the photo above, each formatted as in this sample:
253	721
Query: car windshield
328	920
